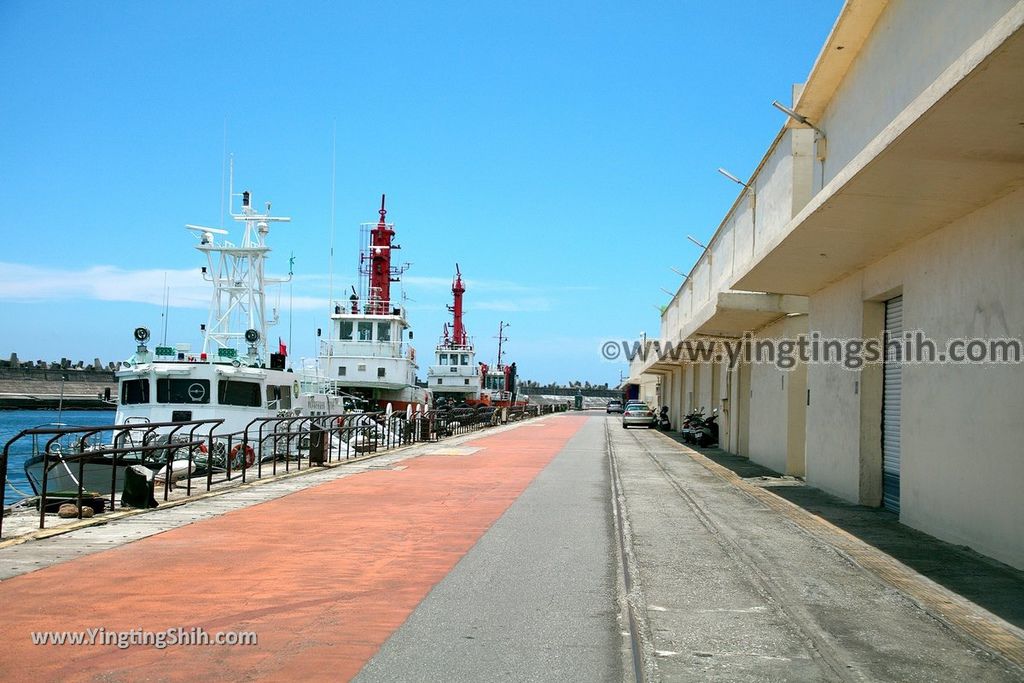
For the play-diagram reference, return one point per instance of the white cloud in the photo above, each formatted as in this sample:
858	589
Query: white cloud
30	284
186	289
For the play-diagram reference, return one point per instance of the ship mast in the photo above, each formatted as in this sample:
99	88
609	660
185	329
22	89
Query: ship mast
375	263
458	329
501	338
238	308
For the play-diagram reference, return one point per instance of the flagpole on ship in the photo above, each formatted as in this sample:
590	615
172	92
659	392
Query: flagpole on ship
291	268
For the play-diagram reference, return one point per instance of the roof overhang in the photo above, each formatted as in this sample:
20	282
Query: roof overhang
954	149
729	314
852	28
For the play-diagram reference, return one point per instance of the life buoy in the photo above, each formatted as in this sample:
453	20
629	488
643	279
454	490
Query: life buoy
250	455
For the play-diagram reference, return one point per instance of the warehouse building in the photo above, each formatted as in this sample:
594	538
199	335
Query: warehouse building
891	203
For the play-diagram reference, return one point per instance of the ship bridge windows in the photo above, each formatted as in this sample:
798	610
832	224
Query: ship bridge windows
465	359
236	393
182	390
495	382
383	332
134	391
443	358
279	397
365	329
346	330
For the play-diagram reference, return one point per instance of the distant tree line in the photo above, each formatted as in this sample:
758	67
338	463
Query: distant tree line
531	384
553	388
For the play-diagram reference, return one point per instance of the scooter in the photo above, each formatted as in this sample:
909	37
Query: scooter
708	435
664	424
692	425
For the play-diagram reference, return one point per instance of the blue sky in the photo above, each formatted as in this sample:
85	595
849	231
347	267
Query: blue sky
559	151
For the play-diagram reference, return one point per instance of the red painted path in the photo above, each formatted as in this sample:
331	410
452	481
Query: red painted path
324	576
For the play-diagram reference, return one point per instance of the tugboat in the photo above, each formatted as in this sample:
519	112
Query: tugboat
455	377
500	383
367	353
229	378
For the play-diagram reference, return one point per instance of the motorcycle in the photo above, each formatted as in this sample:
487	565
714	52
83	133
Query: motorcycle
692	426
708	435
664	424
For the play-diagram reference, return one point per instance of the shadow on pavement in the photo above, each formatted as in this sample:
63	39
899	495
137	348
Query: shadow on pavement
989	583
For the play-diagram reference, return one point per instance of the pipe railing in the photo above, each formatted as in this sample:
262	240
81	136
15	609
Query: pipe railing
181	449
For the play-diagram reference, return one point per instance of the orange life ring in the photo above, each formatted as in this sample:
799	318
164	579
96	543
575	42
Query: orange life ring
250	455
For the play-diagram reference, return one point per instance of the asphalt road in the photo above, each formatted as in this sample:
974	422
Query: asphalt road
726	588
535	598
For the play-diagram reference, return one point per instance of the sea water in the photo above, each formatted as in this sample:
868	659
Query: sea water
13	421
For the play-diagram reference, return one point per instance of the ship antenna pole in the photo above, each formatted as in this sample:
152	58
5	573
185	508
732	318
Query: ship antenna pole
334	168
501	337
167	303
231	181
291	267
223	170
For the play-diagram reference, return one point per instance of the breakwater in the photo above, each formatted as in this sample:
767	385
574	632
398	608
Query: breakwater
42	385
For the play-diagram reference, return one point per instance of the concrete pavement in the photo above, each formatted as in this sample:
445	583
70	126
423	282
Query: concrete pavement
736	591
498	557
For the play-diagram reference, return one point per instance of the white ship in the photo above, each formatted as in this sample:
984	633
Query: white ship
233	377
455	376
368	351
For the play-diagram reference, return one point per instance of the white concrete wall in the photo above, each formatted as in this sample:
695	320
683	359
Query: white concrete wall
650	386
776	422
774	185
702	394
962	463
913	42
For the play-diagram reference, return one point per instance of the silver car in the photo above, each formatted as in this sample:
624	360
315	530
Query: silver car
637	415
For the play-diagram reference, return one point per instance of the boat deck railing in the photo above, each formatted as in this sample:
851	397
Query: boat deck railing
206	457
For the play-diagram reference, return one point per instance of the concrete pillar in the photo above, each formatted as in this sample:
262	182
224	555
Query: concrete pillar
676	404
743	408
796	415
724	406
869	388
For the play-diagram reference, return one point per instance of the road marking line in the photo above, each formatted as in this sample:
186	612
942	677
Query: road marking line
989	630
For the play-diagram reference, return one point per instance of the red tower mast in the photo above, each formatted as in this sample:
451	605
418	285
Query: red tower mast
458	329
381	275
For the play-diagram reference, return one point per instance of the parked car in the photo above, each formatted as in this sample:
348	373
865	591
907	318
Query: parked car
638	415
614	407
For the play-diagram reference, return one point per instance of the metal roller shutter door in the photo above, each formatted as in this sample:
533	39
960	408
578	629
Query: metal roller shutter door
892	388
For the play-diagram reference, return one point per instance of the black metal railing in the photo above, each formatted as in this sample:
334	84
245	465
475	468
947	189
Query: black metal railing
196	451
